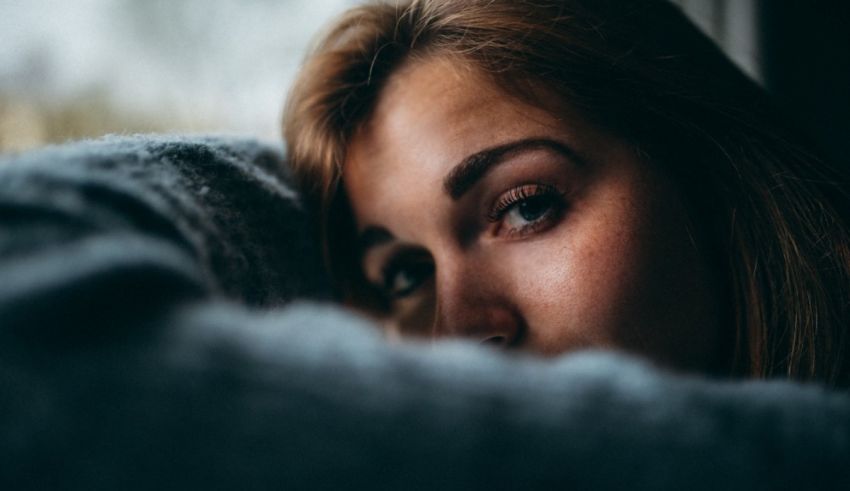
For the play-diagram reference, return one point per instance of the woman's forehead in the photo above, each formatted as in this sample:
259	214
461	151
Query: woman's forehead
430	116
439	106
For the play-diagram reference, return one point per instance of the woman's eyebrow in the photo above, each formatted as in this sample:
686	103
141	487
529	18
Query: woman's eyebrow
471	169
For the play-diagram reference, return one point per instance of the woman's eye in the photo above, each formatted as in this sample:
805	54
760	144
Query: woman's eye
403	279
526	209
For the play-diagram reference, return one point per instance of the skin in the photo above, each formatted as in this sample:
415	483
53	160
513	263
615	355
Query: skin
568	243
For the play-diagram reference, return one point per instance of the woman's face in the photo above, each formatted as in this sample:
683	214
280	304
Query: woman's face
484	217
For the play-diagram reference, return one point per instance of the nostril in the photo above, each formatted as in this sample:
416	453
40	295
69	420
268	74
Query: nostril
494	341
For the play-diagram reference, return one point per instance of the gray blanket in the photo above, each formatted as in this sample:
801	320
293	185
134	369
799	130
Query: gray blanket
163	324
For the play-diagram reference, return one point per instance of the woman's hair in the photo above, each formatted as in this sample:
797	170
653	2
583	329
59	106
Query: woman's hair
771	217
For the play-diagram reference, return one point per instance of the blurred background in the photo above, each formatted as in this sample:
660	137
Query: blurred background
79	68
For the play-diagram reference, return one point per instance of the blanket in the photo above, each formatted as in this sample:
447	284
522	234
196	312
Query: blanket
165	322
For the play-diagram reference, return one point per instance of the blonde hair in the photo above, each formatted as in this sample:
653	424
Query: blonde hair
771	215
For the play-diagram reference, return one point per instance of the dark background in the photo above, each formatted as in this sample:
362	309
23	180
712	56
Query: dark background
805	57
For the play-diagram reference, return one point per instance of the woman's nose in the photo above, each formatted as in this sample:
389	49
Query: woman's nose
477	309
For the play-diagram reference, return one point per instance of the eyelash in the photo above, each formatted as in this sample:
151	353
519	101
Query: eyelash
422	267
523	194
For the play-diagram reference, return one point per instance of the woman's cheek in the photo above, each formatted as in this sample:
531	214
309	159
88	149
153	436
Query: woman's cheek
575	284
542	286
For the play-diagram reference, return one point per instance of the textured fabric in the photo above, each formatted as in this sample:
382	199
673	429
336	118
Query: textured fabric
148	340
219	208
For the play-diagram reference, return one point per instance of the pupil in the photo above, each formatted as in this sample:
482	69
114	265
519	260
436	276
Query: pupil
533	208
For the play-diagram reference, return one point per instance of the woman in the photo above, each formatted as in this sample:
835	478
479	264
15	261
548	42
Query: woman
568	174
